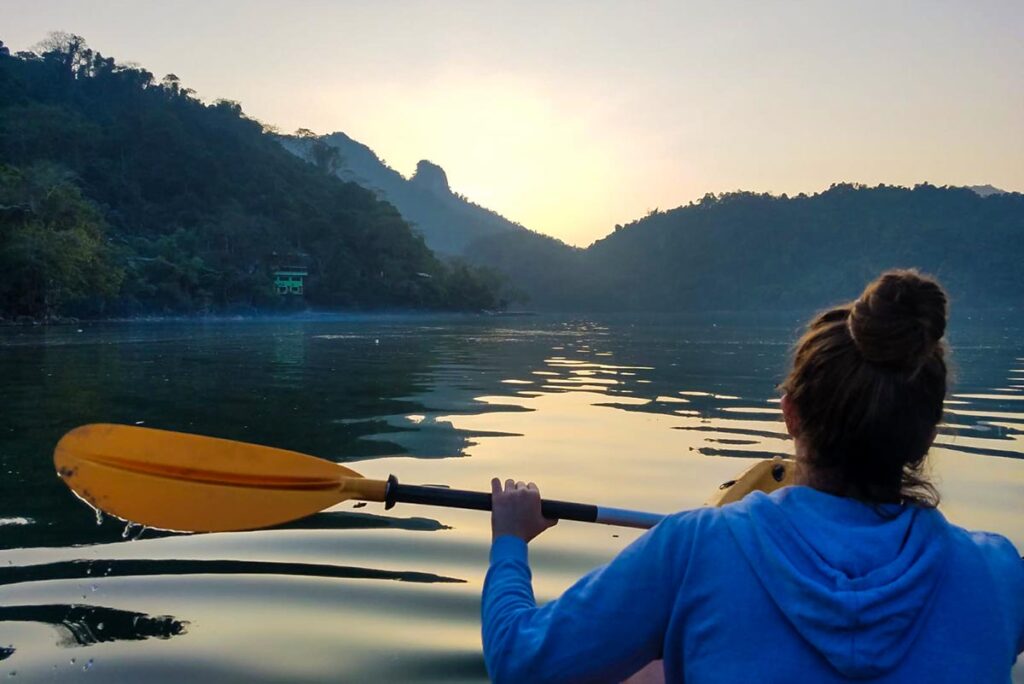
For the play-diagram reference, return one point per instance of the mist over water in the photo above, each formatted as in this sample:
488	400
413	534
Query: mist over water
646	413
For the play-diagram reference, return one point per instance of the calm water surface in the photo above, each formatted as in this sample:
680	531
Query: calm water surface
623	412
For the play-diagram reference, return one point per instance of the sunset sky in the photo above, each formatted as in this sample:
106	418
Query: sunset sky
570	117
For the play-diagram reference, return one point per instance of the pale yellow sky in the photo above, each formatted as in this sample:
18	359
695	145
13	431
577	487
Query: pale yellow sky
570	117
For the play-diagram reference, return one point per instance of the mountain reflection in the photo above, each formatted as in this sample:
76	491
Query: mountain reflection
84	625
157	567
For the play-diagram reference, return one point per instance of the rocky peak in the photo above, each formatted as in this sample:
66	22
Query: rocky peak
430	176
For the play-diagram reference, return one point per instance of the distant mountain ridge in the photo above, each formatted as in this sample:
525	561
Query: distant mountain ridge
986	190
749	252
739	251
449	222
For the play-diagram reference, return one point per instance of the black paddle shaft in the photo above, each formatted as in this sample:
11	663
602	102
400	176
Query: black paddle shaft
478	501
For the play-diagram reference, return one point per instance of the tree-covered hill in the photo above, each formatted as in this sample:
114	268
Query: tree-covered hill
540	272
121	194
757	252
745	251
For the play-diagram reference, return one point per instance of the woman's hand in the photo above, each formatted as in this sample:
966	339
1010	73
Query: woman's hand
516	510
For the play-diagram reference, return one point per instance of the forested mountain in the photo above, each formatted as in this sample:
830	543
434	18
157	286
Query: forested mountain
449	222
121	194
739	251
747	251
539	271
757	252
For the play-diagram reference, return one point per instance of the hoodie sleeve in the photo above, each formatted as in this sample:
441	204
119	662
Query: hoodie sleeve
604	628
1020	595
1011	573
1007	570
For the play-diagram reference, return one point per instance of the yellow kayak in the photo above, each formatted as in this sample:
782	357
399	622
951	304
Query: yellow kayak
764	476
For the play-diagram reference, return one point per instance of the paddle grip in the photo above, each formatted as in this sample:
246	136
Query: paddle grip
478	501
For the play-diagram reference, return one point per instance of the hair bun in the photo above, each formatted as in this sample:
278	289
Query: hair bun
899	319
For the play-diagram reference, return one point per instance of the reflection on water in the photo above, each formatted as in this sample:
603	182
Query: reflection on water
138	568
85	625
625	412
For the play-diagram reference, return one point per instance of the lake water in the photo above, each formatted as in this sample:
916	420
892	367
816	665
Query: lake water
629	412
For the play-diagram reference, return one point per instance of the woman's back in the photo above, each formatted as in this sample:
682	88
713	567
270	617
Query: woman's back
795	586
822	588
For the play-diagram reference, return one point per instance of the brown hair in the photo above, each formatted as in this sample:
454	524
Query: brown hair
868	383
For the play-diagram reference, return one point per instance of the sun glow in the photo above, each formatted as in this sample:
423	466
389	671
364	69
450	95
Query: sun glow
506	144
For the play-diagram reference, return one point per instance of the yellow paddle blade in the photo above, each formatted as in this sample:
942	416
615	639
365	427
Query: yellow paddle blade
184	482
764	476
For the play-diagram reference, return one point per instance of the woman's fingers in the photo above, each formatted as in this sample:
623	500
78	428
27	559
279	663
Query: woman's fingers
517	509
512	486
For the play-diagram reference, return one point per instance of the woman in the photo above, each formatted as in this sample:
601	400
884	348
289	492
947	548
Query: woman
851	575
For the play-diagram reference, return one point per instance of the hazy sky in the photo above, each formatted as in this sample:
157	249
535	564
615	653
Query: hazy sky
571	117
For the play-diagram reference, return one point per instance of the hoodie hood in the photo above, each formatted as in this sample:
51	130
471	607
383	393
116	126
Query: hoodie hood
853	582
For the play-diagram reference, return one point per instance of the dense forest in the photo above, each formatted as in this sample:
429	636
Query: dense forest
757	252
122	195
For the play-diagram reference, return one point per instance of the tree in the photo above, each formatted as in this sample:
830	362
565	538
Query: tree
52	251
69	51
171	83
326	157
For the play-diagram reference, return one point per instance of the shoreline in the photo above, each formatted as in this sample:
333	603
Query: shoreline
59	321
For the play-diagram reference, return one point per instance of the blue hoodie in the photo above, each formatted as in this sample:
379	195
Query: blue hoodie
794	586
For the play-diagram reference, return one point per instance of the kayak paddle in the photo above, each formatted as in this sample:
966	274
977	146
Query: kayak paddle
192	483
